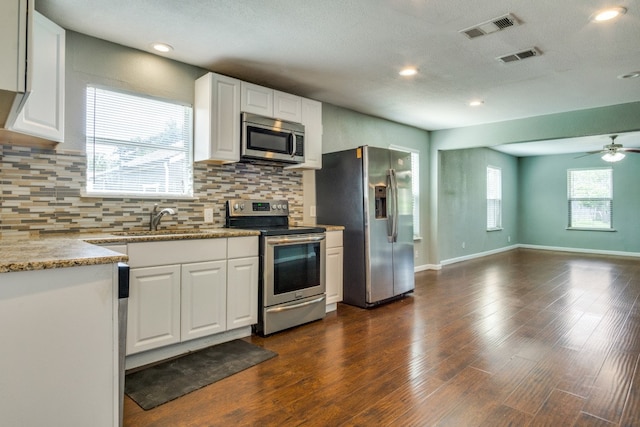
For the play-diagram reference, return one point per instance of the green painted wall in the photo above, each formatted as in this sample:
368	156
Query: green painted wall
543	205
462	203
595	121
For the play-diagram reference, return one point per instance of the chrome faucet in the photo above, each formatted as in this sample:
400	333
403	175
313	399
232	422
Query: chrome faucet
155	217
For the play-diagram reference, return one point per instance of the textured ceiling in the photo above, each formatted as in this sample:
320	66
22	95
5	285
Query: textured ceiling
348	53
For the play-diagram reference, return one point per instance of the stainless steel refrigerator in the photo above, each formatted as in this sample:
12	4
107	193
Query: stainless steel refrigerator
368	191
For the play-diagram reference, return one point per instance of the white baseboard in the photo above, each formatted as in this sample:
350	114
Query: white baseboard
478	255
582	250
425	267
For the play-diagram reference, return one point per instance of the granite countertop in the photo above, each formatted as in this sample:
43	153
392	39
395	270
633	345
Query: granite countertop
332	227
70	250
40	254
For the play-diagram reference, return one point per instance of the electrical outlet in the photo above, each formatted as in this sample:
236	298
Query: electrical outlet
416	253
208	215
508	238
464	245
312	211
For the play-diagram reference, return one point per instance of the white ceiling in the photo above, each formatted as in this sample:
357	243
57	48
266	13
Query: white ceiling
568	145
348	53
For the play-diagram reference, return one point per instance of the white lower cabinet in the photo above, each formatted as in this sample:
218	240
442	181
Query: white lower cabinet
203	300
334	268
188	289
242	294
154	308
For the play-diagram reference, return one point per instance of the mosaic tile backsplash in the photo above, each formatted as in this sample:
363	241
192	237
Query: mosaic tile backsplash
41	194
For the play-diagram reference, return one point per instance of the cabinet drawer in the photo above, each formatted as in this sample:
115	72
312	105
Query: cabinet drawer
334	239
243	247
148	254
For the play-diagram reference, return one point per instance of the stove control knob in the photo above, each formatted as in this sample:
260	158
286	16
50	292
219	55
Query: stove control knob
284	207
236	207
242	207
274	207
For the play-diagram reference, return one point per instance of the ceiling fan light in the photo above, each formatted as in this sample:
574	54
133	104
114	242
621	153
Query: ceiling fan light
613	157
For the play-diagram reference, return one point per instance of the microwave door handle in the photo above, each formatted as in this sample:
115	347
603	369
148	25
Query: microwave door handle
294	144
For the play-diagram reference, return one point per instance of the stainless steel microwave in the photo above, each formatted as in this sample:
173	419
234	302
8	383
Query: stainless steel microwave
264	138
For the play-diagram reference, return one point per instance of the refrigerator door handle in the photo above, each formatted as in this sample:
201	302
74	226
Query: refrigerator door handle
392	222
390	210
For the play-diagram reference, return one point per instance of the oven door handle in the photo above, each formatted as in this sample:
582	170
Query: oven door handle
285	240
292	307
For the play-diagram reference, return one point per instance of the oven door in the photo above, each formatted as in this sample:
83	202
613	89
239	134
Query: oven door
294	267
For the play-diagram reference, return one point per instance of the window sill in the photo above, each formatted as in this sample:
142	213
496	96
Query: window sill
590	229
495	229
417	238
136	196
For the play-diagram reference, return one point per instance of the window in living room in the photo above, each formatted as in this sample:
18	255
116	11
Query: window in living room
590	198
494	198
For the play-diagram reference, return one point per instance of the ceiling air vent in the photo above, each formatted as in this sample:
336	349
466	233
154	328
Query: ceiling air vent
491	26
513	57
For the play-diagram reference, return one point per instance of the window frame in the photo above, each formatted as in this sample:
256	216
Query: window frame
570	199
91	139
496	224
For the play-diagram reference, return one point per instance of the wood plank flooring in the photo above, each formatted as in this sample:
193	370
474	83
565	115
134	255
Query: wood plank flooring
521	338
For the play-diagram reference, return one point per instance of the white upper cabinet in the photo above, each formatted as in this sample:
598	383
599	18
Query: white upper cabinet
287	107
217	119
312	121
14	37
256	99
270	103
43	112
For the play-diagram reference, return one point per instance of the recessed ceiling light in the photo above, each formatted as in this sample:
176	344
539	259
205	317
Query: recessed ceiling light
161	47
476	103
608	14
409	71
631	75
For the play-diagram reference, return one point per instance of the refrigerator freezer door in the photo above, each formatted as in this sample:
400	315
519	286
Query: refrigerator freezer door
379	250
403	269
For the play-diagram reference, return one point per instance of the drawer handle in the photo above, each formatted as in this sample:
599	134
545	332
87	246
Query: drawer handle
291	307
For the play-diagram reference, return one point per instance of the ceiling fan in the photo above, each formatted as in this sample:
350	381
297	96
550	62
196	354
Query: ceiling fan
613	152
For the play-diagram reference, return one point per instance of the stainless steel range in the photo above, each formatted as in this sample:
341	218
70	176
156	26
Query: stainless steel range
292	264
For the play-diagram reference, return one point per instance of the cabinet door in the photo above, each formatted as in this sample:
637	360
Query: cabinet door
14	16
256	99
154	308
242	292
287	107
217	119
204	298
312	121
43	113
334	274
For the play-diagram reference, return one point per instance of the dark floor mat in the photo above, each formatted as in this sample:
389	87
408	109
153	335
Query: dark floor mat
169	380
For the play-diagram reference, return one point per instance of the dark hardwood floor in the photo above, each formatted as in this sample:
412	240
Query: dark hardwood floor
521	338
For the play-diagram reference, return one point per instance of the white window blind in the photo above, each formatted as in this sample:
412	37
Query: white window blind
494	198
137	145
590	194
